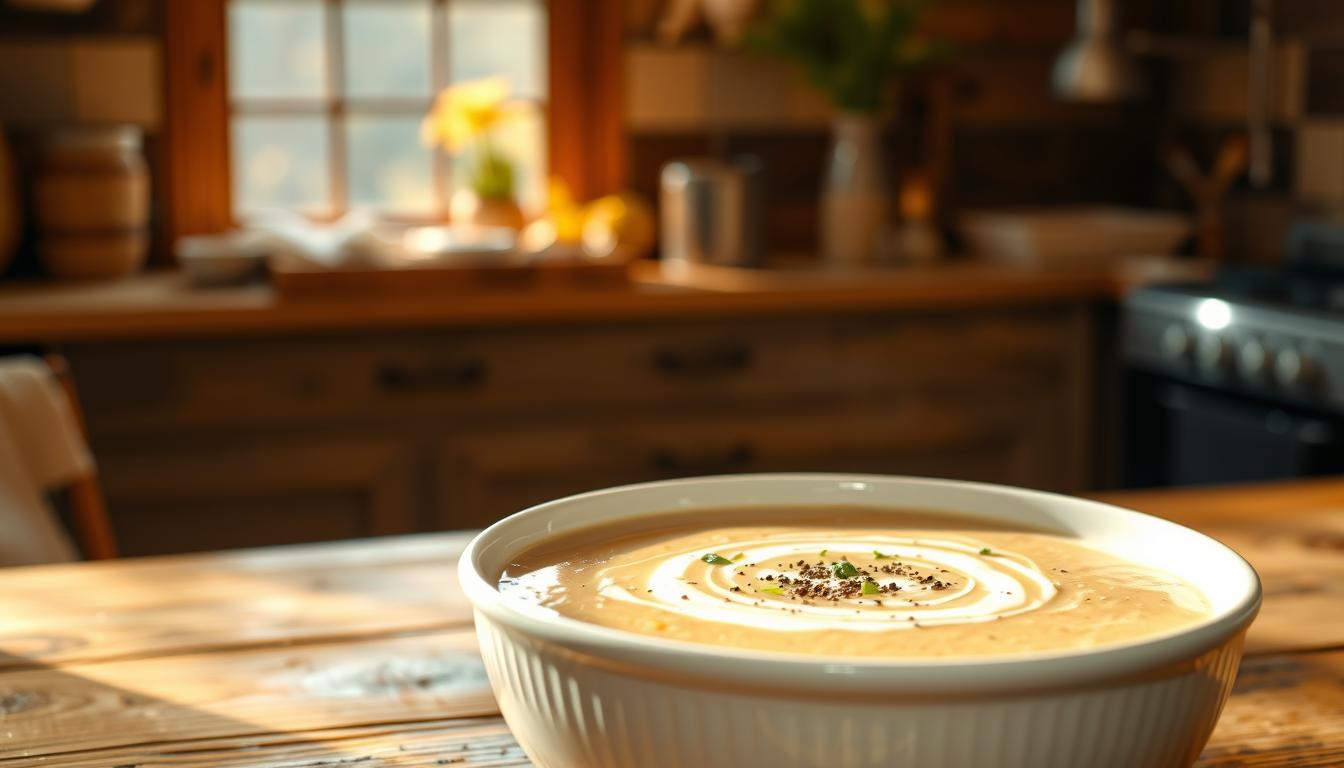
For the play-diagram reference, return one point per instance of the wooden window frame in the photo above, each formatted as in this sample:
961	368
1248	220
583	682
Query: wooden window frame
585	132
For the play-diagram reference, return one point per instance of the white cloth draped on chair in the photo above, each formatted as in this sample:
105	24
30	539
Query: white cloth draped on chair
41	449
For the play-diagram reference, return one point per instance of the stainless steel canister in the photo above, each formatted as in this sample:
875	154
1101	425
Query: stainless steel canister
711	212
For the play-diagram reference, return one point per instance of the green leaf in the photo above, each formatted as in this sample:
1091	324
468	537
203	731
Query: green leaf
870	588
772	590
851	50
879	556
823	552
986	551
844	570
714	559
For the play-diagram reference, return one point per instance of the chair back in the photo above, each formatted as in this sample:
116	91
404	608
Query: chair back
44	450
88	509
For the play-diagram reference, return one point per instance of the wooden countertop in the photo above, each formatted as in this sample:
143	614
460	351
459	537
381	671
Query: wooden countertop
363	651
162	305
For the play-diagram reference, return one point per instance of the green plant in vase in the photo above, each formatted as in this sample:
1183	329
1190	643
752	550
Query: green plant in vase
854	52
465	120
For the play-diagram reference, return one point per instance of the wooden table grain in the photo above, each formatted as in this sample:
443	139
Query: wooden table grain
362	652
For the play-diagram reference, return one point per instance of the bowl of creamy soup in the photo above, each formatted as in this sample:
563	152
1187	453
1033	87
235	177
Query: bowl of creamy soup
829	620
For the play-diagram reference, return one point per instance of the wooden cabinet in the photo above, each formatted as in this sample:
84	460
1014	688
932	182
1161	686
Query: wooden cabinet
230	442
188	496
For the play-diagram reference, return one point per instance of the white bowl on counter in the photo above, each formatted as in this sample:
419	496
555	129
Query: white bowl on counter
1083	236
223	259
578	695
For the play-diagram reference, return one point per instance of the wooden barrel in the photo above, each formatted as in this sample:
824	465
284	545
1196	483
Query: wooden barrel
92	203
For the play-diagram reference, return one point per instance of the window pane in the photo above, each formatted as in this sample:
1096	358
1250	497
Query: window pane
523	140
387	48
277	49
499	37
389	168
280	162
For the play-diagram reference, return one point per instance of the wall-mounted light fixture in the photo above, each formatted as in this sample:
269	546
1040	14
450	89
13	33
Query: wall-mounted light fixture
1096	66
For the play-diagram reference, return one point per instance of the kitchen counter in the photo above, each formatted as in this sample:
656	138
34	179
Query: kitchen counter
162	305
363	651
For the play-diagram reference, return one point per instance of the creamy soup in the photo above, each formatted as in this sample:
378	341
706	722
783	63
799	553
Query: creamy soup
847	581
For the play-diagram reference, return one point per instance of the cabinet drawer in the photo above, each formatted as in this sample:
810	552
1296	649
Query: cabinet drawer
465	378
891	354
455	378
179	498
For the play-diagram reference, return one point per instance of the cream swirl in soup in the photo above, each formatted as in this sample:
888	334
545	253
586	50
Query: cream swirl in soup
858	584
850	581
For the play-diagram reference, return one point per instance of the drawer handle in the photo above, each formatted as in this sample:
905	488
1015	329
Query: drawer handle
737	456
445	378
712	360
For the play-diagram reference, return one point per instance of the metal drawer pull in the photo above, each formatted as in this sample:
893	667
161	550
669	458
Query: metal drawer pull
704	361
452	377
735	457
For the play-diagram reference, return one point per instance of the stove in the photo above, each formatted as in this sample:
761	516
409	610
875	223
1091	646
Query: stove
1277	334
1241	377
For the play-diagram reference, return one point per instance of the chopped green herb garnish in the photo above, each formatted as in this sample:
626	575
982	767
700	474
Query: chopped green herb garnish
986	551
714	559
772	590
844	570
879	556
823	552
739	556
870	588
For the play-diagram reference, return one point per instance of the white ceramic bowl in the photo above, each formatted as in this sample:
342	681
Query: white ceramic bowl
223	259
578	695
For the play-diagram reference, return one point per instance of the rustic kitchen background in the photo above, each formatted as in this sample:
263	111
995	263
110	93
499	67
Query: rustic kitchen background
989	116
283	427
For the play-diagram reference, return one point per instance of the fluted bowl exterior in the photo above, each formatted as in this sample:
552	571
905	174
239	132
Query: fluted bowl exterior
581	696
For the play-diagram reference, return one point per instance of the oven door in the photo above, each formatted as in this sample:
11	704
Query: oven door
1186	435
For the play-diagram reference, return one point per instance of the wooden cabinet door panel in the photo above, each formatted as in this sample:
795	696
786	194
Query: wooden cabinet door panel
184	498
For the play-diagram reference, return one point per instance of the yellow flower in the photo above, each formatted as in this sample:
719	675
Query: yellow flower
467	111
566	214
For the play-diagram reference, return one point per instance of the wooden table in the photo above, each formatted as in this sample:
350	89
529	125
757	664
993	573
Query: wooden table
363	651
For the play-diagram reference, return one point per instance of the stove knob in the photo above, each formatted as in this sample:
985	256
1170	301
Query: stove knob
1296	368
1176	343
1212	353
1252	359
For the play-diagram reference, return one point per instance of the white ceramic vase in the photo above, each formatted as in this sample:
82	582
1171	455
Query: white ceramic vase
855	197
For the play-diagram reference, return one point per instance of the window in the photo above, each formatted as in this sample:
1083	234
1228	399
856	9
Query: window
334	88
326	98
